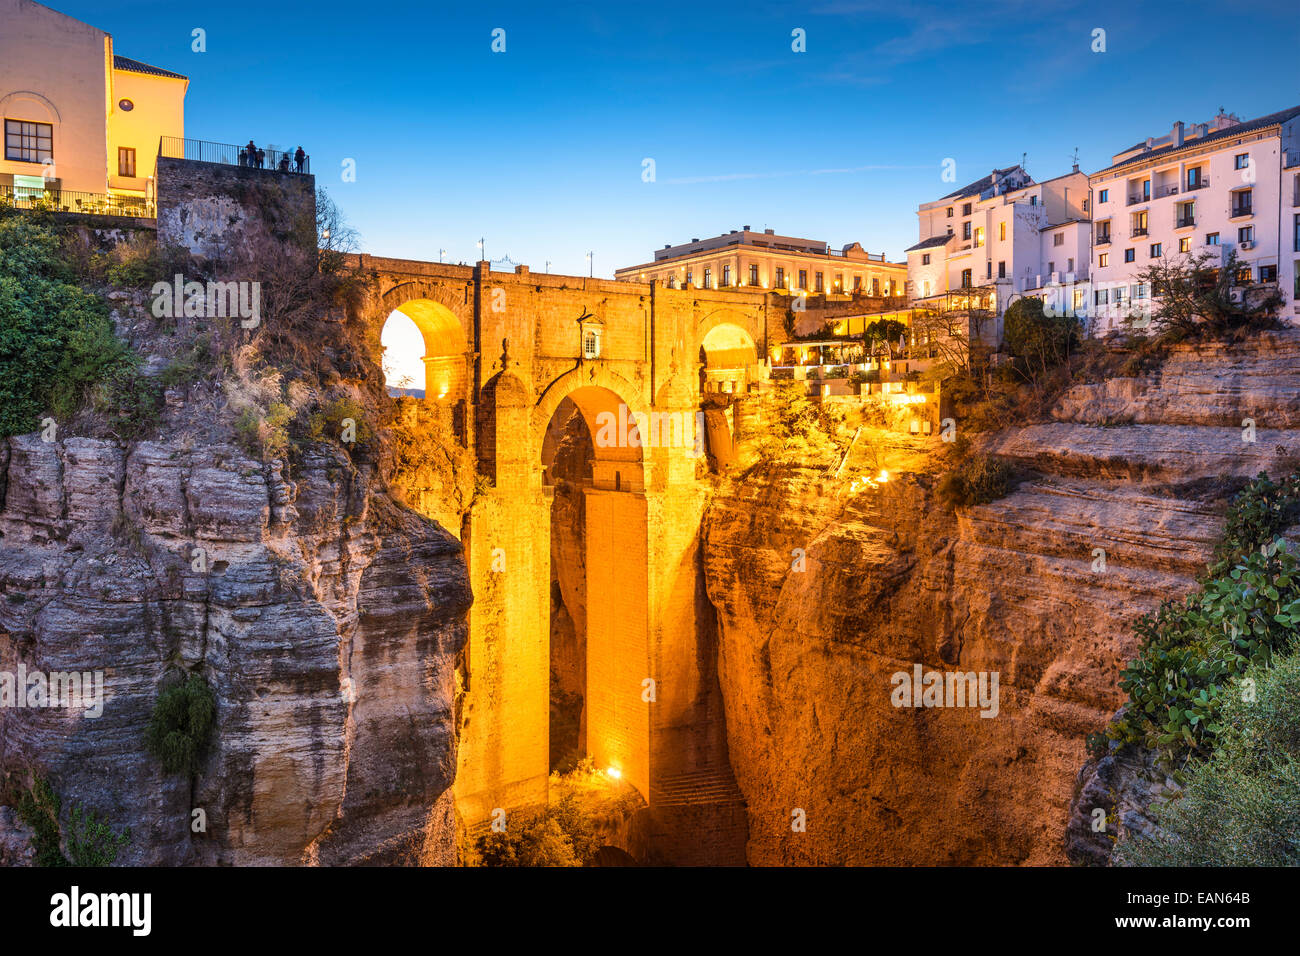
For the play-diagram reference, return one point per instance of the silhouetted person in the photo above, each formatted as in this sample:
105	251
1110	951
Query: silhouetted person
298	158
252	152
284	162
261	159
243	157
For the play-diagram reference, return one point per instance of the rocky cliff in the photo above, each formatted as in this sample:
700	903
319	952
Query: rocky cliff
1124	501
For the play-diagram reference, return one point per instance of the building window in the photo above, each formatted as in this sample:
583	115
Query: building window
803	279
1141	291
965	209
1051	266
820	283
1211	238
1243	275
1058	239
1033	200
1103	232
690	277
1002	270
591	343
1069	265
1246	234
780	277
726	276
753	273
1241	203
1130	255
839	282
1002	232
1103	260
950	212
1268	273
672	282
29	142
1241	161
1194	180
979	237
1185	244
1103	196
875	287
708	278
925	256
857	282
1296	237
1157	250
965	229
126	161
1101	296
965	278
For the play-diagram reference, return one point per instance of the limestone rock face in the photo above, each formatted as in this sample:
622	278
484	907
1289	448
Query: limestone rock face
326	619
1041	587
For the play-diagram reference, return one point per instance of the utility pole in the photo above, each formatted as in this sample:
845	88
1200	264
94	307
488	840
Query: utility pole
480	249
591	264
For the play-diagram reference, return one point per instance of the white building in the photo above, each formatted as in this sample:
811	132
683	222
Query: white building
1213	187
1000	237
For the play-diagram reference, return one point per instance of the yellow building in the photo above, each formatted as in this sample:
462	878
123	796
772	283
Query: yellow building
80	122
764	260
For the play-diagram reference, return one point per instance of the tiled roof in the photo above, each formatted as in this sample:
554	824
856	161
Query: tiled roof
1249	126
135	66
979	185
930	243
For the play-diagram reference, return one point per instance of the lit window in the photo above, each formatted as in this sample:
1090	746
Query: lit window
591	343
125	161
1103	260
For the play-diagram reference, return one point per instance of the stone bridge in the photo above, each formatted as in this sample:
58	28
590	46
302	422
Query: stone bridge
503	353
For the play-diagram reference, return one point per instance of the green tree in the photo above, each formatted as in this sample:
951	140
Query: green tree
56	339
1039	342
1241	807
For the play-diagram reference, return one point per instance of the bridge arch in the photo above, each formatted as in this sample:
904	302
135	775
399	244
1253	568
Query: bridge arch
446	351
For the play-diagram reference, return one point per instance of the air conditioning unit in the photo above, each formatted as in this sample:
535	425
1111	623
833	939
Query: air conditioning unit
1235	295
1247	245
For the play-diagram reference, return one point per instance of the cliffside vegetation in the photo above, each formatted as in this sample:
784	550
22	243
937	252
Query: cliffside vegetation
1246	610
57	344
1215	692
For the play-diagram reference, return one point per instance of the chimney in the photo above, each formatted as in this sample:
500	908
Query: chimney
994	178
769	232
1176	135
747	229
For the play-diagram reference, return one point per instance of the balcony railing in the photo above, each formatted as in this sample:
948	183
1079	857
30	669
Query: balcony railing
1185	222
1103	240
1139	231
1235	211
227	154
1170	190
1134	200
67	200
1199	184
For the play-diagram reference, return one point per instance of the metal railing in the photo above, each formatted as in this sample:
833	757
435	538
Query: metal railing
228	154
68	200
1245	210
1185	221
1139	231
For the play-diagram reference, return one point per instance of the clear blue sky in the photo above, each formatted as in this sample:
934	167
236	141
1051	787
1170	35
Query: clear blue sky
540	149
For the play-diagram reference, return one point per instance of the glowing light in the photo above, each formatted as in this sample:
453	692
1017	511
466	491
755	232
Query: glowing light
883	476
614	773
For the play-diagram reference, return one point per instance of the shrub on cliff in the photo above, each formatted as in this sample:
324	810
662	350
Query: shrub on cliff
181	725
56	339
978	480
89	841
1258	514
1241	807
1192	649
